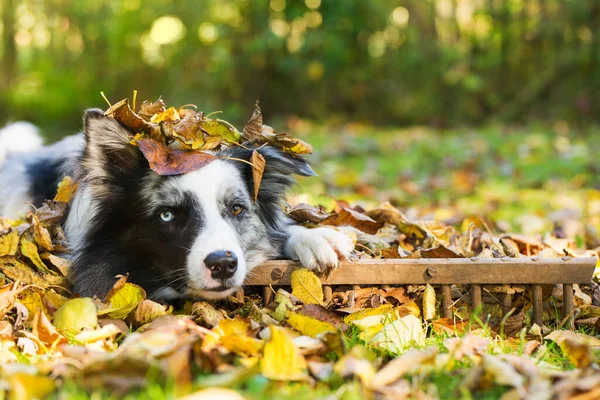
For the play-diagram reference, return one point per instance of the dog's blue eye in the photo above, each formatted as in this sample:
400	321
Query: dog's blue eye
167	216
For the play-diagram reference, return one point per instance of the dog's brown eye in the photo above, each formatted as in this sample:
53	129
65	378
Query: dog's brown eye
237	210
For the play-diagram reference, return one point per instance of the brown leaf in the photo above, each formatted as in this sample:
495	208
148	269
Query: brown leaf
322	314
51	211
147	109
187	129
41	236
166	161
306	213
121	112
258	168
45	331
287	143
438	252
253	128
347	216
449	326
386	213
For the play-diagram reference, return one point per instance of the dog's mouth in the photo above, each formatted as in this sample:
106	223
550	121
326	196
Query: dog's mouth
221	288
216	293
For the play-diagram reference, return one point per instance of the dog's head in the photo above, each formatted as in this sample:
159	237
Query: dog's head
196	234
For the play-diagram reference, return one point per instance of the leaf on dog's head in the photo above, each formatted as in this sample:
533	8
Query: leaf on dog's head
147	109
66	190
167	161
253	128
217	128
124	114
287	143
258	168
307	286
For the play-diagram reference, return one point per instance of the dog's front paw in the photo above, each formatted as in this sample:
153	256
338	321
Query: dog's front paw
319	249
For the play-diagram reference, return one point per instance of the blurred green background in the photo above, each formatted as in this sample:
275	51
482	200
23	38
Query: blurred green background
434	62
490	107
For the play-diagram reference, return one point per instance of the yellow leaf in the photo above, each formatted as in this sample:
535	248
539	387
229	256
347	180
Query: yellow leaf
9	244
76	314
147	311
308	325
170	115
233	335
429	303
381	311
124	301
401	334
27	386
307	286
282	360
66	190
30	250
218	128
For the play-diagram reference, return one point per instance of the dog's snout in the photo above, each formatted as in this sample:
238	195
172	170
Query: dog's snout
222	264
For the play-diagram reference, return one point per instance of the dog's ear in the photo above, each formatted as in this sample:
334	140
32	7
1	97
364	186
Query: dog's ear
281	162
108	154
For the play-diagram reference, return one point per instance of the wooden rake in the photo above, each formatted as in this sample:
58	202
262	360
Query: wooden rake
474	271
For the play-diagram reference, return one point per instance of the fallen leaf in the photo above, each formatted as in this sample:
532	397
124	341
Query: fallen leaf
9	243
123	301
401	365
147	311
348	216
75	315
399	335
307	286
167	161
306	213
429	309
281	360
66	189
308	325
30	250
322	314
26	386
258	168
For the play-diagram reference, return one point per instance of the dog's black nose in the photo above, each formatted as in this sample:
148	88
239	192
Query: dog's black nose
222	264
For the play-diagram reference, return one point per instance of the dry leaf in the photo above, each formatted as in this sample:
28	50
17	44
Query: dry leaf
429	309
281	359
76	314
307	286
66	190
308	325
258	168
9	243
167	161
348	216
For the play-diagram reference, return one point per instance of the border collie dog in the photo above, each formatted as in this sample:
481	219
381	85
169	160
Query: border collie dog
196	235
